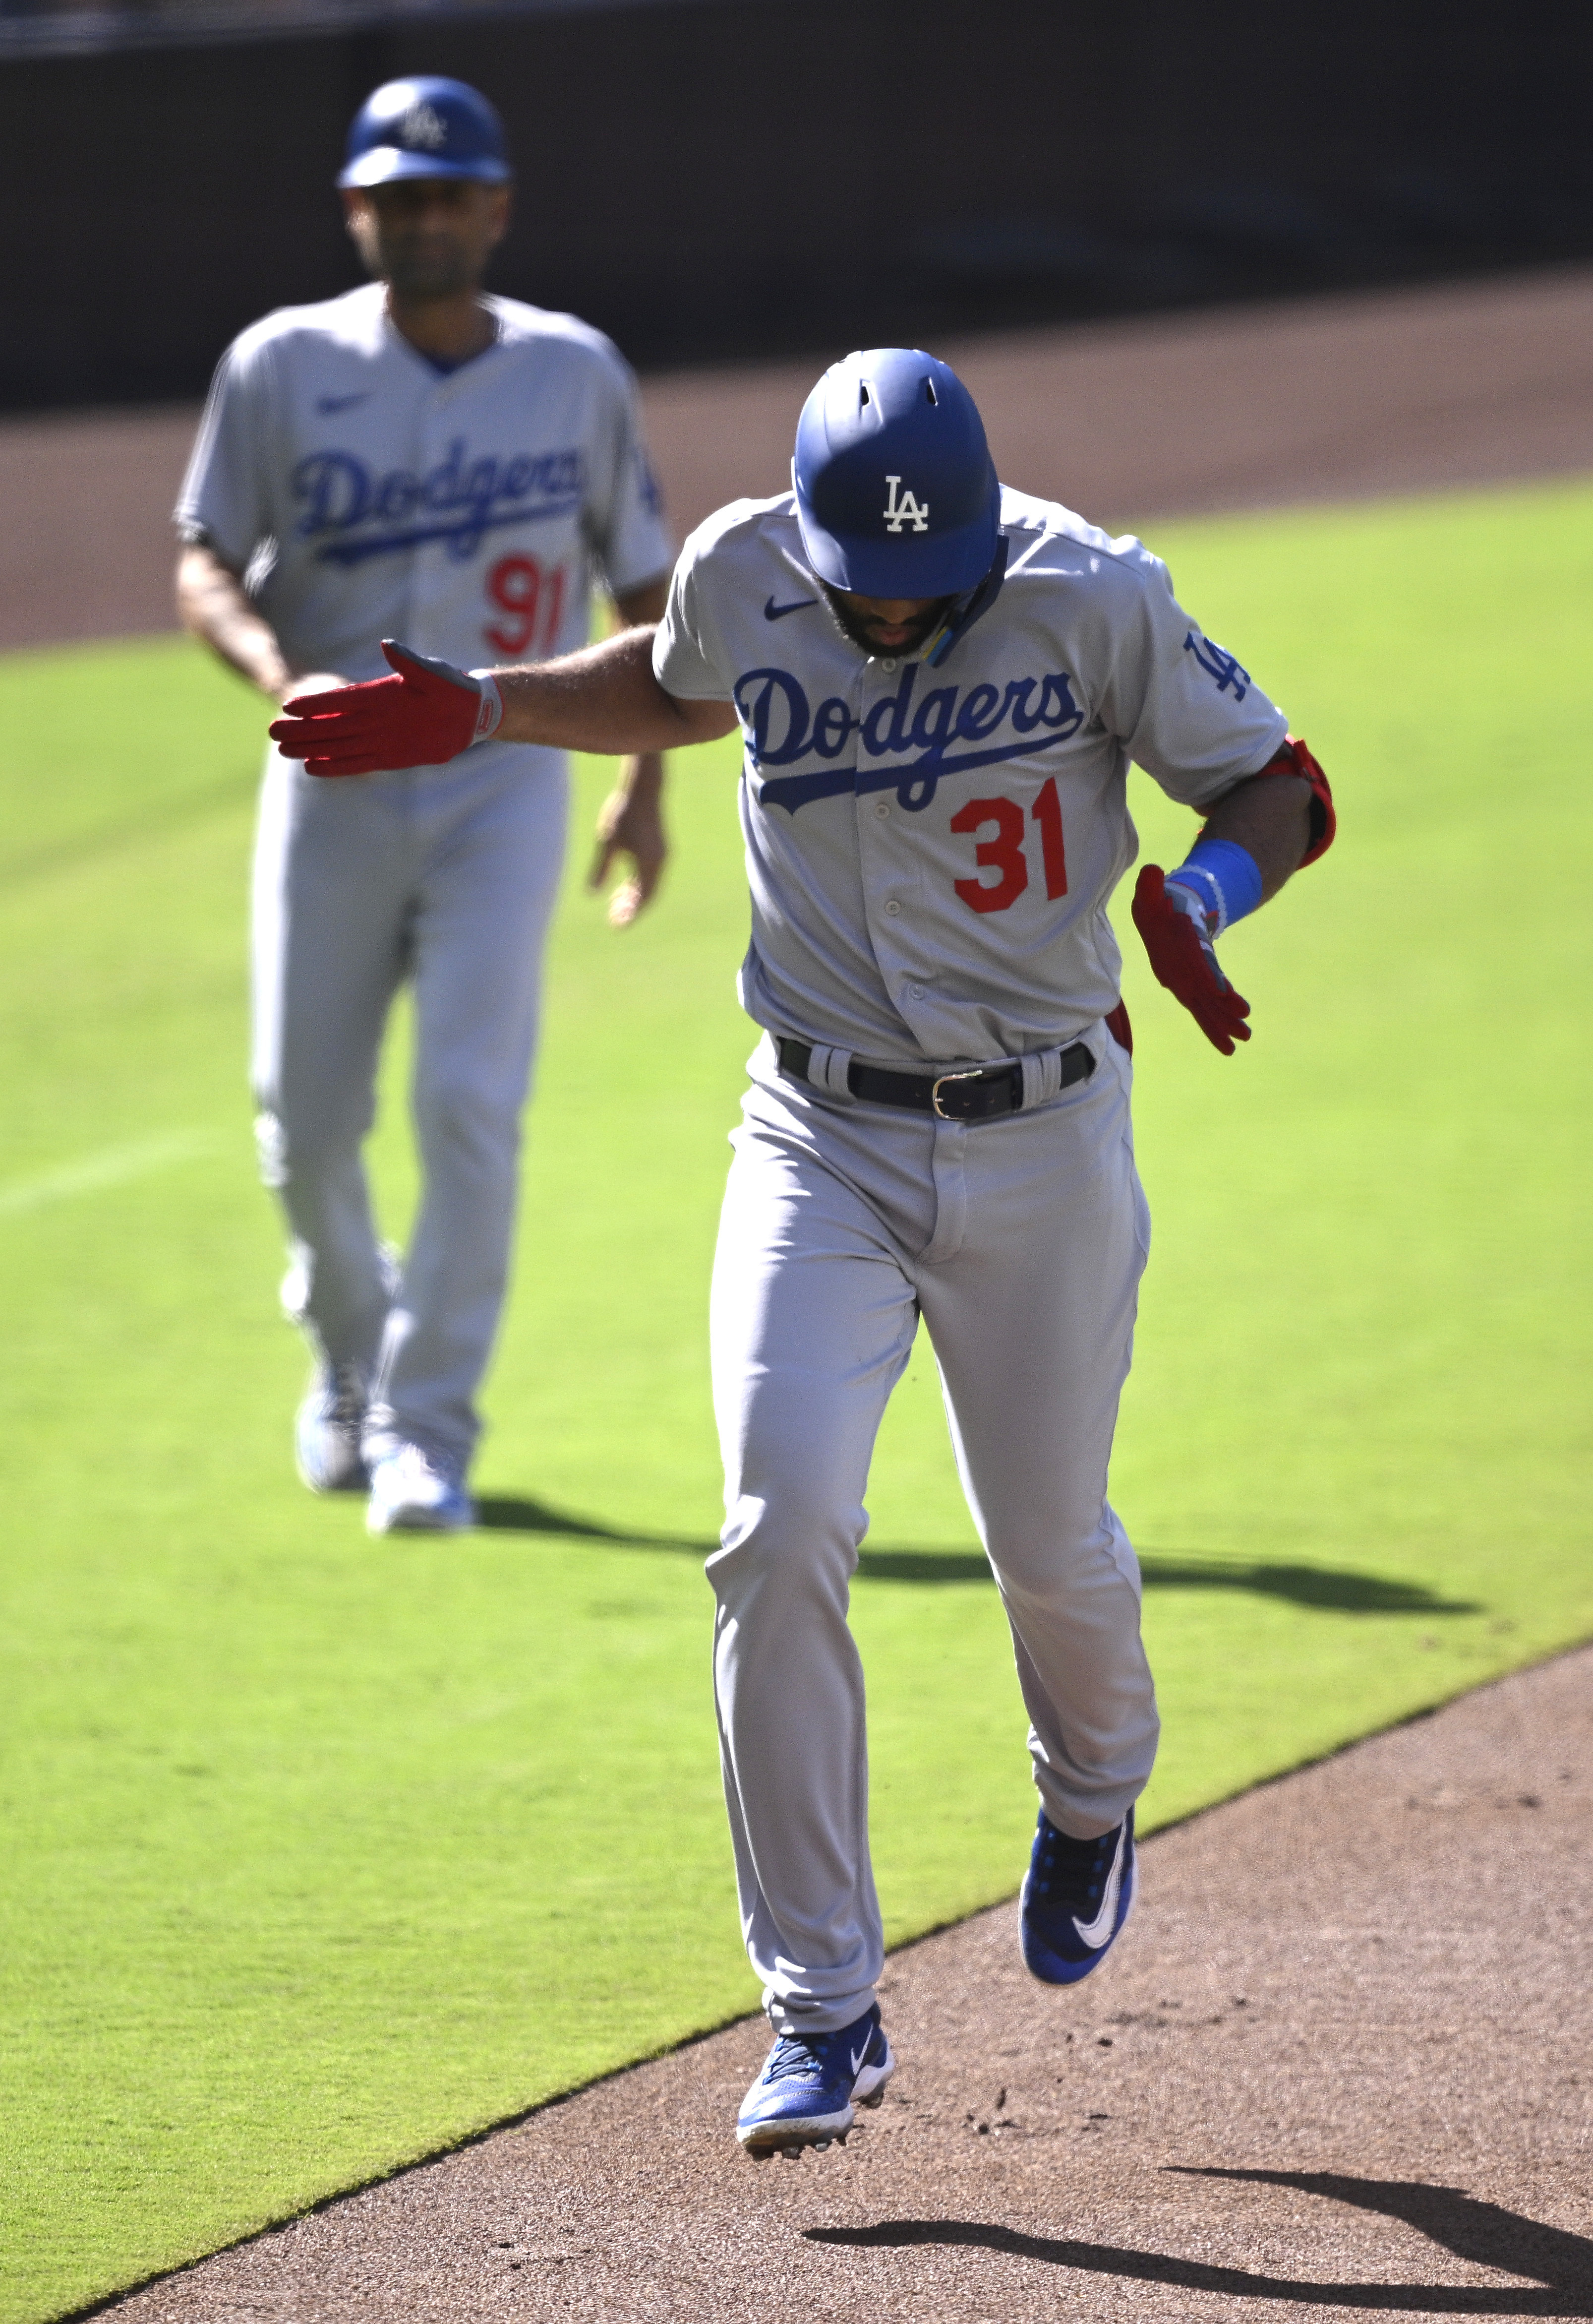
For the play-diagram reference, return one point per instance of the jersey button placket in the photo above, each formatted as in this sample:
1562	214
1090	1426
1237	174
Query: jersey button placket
884	841
434	574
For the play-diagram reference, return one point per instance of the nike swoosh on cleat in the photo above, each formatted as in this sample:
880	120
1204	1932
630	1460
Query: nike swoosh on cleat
341	402
1095	1932
773	612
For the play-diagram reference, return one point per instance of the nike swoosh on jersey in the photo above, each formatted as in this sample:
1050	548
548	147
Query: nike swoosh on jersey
1095	1932
341	402
773	612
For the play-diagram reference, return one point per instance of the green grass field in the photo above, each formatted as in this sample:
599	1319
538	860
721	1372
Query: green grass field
318	1852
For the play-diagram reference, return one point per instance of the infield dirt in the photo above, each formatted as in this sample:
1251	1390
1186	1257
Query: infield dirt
1340	2060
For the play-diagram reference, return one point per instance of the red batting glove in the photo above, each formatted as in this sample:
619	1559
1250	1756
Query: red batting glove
426	713
1181	956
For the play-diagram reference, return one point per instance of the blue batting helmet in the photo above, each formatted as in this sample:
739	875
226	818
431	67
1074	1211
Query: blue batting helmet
895	492
427	127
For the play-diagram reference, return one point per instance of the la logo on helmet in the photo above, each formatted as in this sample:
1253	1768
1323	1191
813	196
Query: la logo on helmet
904	510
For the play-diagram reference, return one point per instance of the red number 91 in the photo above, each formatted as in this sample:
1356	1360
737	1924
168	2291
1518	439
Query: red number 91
514	586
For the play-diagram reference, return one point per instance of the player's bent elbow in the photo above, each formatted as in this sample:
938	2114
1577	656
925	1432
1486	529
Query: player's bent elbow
1297	771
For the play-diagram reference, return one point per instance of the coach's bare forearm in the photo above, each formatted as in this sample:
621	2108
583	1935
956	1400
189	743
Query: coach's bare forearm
211	604
1269	816
604	699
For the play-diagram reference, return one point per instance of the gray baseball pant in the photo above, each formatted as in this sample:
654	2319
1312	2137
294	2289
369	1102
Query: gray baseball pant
445	876
1022	1243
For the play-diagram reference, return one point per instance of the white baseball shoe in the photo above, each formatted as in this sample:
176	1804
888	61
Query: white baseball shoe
326	1431
415	1491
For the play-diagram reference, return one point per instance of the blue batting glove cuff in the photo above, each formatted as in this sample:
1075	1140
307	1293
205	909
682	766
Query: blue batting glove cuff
1224	879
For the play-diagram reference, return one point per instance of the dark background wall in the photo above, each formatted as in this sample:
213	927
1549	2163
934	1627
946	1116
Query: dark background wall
714	178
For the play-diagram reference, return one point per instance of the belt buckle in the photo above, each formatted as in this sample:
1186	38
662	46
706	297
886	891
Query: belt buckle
974	1073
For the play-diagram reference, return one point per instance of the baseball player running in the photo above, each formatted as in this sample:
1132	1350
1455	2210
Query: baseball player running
418	458
940	685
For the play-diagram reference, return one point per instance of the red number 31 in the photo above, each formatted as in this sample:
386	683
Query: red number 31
514	586
1004	854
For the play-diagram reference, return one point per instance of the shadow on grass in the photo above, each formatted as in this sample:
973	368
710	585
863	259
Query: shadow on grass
1336	1588
1479	2234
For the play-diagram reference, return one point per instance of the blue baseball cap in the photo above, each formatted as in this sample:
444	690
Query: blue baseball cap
427	127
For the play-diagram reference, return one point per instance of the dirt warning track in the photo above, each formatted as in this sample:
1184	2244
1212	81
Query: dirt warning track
1340	2061
1332	398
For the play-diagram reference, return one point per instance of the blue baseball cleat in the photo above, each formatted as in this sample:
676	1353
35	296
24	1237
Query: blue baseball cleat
1076	1895
804	2096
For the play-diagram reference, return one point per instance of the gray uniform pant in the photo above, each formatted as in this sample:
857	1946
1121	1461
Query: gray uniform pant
446	876
1021	1241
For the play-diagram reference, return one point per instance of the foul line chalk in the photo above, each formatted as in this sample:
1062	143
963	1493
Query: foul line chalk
116	1166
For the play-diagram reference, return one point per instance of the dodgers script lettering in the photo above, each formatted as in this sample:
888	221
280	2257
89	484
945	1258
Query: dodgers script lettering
780	729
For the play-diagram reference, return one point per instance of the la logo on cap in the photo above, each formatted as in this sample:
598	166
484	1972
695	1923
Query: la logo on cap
424	126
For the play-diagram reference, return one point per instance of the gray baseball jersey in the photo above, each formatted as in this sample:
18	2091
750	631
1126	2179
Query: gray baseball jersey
365	494
931	851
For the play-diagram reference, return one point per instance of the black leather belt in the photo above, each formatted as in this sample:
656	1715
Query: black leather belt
981	1094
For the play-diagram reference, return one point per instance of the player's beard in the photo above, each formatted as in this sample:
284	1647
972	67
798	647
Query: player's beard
860	632
420	267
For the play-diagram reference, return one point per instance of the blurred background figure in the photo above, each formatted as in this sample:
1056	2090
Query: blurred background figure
419	457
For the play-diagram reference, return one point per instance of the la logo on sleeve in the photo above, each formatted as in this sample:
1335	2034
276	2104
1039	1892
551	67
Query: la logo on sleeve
906	509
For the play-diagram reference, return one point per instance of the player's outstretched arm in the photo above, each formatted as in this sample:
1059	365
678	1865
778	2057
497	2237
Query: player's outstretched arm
606	699
1255	838
603	699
